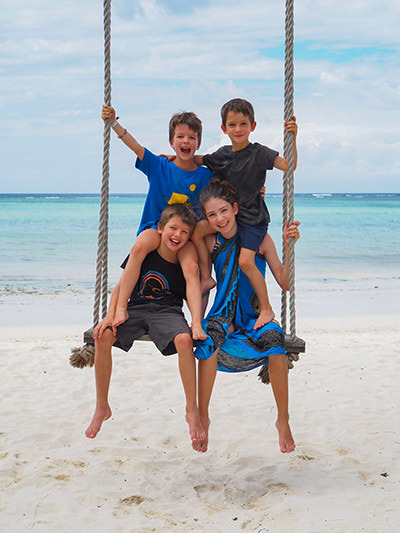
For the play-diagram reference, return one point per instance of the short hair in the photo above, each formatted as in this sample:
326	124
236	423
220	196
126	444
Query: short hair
186	118
183	211
237	105
217	188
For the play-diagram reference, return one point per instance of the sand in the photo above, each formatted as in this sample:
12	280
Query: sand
140	473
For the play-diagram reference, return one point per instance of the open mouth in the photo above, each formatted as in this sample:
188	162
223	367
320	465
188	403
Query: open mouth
223	225
185	151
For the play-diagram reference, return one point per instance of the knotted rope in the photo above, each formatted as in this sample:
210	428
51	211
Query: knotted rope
293	344
84	356
288	178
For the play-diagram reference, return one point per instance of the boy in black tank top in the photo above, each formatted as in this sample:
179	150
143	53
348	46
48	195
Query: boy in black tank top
155	308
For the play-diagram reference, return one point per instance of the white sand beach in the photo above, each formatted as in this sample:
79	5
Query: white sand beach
140	473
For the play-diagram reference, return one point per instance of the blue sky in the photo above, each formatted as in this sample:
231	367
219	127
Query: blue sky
172	55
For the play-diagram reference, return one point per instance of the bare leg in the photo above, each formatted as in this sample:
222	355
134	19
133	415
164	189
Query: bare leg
201	230
187	369
146	242
187	257
207	375
247	264
278	374
102	368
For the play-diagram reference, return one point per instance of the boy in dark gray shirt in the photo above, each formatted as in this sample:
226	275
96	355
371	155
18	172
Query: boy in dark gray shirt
244	165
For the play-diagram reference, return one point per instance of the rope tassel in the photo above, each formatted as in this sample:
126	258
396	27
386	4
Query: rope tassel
83	356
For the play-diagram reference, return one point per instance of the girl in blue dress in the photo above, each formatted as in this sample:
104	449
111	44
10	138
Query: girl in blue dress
232	343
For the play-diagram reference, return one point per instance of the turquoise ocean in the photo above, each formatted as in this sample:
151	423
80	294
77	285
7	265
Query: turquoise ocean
347	260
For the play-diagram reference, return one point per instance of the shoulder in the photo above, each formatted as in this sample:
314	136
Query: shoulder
222	152
264	154
203	171
151	160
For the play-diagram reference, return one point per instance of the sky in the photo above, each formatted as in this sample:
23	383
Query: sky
174	55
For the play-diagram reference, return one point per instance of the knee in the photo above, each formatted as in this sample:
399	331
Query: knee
200	230
139	250
183	343
104	342
246	264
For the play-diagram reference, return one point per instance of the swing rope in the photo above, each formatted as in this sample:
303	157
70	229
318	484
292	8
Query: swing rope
288	178
84	356
293	344
101	287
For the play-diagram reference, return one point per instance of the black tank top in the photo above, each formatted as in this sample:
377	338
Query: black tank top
160	282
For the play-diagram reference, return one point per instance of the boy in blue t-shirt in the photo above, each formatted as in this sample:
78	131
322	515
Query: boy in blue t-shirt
244	166
170	182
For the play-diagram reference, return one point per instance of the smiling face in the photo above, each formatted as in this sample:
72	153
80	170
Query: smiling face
184	142
238	128
174	235
221	215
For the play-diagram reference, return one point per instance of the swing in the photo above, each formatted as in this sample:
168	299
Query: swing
84	356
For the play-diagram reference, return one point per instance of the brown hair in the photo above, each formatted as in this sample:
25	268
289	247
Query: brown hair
183	211
237	105
217	188
188	119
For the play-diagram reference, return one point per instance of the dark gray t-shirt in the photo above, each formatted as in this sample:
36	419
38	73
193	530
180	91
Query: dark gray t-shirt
246	171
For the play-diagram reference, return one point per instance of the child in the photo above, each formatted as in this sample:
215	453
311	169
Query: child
244	166
170	182
155	307
232	344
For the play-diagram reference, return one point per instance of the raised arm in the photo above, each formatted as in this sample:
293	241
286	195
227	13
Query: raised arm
123	134
268	250
282	163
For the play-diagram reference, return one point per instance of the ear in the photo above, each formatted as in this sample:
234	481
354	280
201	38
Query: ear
253	126
223	129
172	145
235	208
159	229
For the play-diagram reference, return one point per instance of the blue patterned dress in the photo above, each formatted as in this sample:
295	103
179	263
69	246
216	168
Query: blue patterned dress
236	303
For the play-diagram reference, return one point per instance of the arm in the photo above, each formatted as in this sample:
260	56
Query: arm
109	318
123	134
268	250
198	159
282	163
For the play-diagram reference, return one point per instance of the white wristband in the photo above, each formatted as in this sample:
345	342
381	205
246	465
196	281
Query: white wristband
115	122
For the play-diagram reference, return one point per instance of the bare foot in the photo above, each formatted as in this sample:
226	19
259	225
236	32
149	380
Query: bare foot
204	443
100	415
264	317
196	430
121	315
286	441
207	284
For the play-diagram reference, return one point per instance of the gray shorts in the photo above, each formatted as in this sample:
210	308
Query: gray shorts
163	324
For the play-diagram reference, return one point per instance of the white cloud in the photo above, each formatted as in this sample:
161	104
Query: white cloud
169	56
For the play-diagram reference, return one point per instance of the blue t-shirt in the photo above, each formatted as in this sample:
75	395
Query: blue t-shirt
169	184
